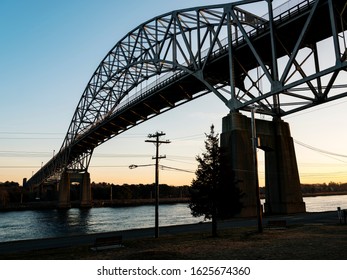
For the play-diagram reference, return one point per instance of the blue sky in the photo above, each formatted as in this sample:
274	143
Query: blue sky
49	51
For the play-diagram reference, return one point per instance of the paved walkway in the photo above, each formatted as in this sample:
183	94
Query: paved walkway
88	239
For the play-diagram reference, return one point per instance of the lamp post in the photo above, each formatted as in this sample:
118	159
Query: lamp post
255	165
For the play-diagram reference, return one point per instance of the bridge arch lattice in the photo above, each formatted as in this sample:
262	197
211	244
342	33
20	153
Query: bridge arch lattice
182	52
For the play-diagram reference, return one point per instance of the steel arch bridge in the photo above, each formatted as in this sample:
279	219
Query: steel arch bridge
277	62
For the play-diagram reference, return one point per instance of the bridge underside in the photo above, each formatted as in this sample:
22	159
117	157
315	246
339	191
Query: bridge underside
245	59
272	93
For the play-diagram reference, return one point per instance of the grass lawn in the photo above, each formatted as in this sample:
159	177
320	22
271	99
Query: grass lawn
314	242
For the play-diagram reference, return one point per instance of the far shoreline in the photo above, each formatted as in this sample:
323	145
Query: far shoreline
323	194
50	205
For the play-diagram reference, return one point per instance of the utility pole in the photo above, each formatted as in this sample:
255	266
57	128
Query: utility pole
157	143
255	165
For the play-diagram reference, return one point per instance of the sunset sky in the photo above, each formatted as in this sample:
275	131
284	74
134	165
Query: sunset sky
49	51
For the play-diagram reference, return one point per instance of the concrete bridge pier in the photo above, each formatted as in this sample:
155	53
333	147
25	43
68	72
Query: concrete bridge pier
283	191
64	189
85	191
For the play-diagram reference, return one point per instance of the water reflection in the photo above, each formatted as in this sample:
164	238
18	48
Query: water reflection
65	222
18	225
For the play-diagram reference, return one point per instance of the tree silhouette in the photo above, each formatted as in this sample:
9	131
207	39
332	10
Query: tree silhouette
210	194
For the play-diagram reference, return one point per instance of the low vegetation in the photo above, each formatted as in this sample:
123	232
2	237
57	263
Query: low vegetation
12	194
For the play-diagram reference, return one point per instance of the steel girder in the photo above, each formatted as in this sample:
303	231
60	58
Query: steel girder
244	58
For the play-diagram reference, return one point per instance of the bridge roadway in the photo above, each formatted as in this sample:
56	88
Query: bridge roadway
183	86
12	247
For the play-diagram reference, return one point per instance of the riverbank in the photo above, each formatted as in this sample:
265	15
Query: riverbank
323	194
308	236
43	205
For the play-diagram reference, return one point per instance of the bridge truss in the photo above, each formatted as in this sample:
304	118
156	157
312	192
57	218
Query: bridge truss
277	62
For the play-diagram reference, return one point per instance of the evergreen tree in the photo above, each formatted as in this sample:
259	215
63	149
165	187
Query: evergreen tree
210	194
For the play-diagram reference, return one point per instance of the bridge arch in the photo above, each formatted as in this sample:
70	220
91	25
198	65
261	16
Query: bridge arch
172	46
187	53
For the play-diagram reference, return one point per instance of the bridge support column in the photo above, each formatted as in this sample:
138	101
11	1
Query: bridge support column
283	189
283	193
86	197
64	191
236	144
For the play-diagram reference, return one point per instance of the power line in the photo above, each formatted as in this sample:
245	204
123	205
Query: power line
321	151
108	155
121	155
30	138
60	133
30	133
134	136
192	162
176	169
163	167
314	110
104	166
19	166
189	137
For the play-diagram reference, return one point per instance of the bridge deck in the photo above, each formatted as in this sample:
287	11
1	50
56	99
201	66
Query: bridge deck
183	88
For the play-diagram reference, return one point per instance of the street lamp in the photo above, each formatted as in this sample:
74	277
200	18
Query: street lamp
133	166
156	227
